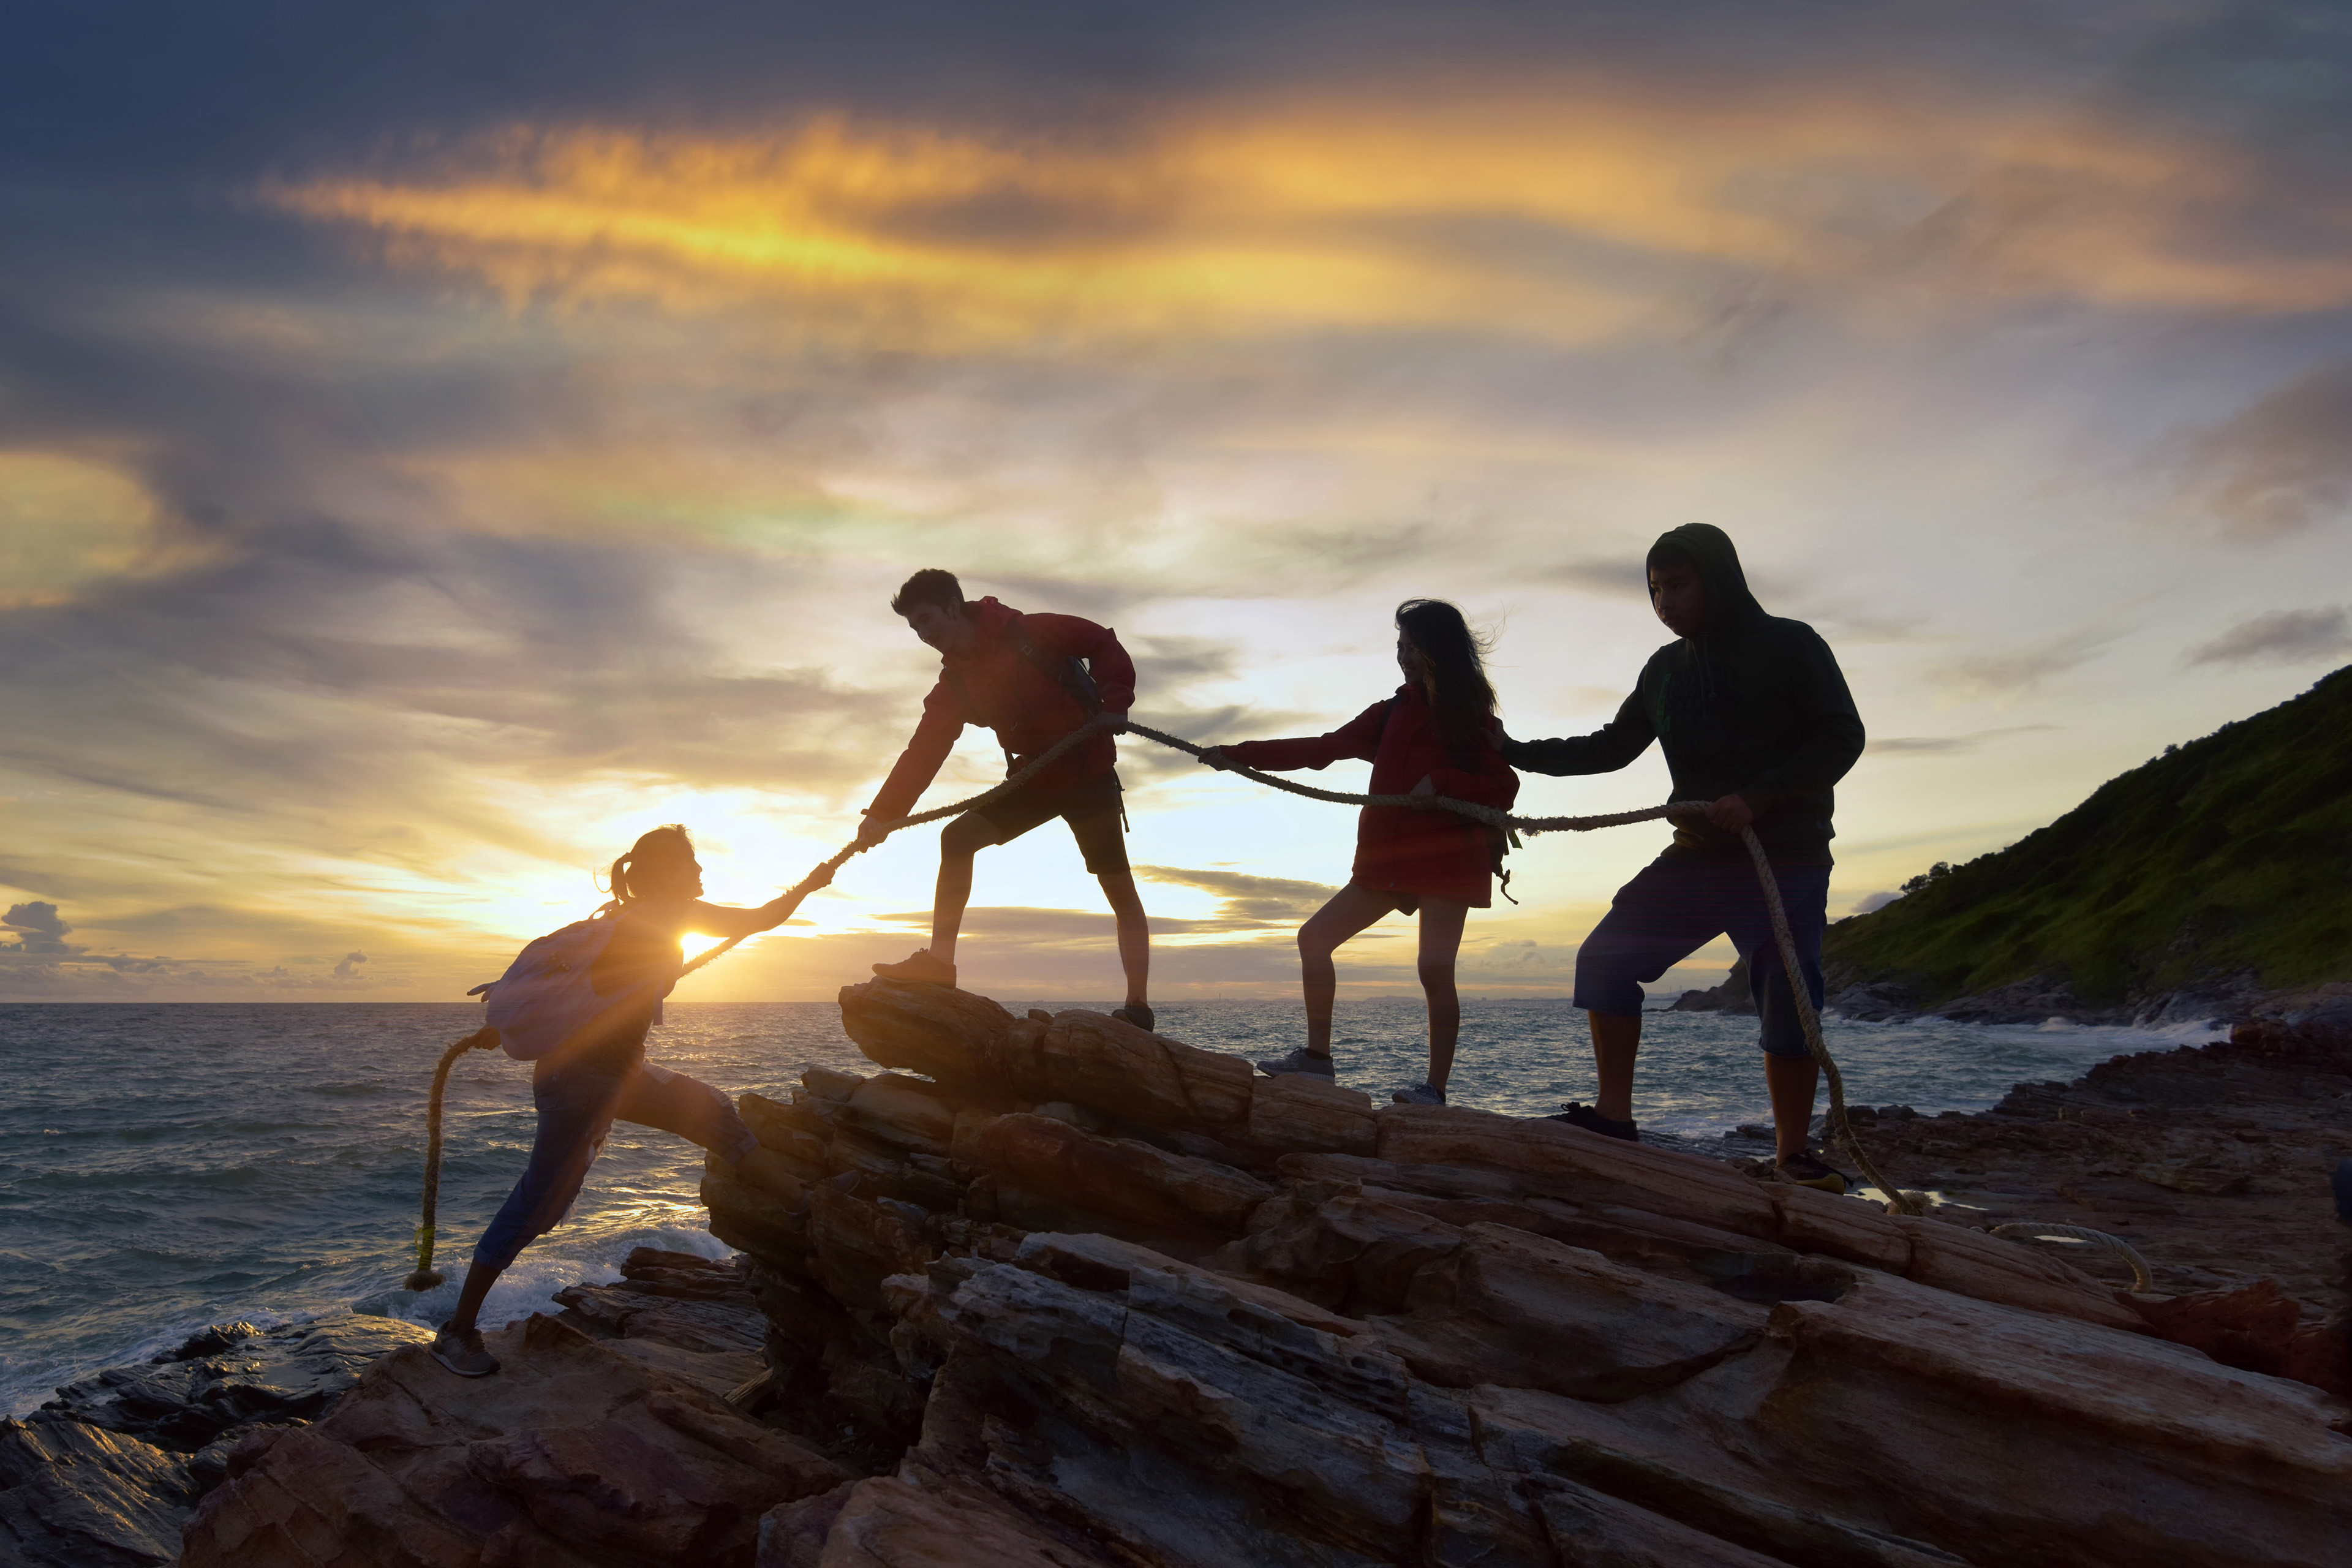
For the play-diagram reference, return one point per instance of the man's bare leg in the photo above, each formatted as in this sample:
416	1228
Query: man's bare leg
1134	934
479	1277
1616	1041
1792	1081
949	898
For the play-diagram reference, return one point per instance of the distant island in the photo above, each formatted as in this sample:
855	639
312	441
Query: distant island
2199	883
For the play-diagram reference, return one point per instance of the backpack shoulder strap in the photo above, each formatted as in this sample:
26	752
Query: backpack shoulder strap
1071	674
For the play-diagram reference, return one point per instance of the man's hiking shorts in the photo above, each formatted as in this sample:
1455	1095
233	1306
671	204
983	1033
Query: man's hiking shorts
1096	819
1676	905
577	1107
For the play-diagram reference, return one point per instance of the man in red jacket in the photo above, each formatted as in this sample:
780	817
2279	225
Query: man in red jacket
1033	680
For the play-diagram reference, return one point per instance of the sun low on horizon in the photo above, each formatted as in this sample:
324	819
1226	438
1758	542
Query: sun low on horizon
416	483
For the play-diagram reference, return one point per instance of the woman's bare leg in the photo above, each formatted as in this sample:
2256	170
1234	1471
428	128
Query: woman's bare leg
1440	941
479	1277
1349	911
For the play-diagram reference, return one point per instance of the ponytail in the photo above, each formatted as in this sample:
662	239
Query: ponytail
659	843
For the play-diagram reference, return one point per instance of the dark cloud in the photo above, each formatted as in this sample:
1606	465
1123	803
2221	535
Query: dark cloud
2282	637
346	970
38	927
1246	900
1998	677
2284	465
1605	578
1948	745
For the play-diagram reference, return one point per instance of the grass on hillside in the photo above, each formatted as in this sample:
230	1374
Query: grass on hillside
2227	855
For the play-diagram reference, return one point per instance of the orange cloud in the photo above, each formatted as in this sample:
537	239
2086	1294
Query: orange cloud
1544	216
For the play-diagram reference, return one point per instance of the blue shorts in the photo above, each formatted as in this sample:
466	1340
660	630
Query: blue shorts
1676	905
577	1107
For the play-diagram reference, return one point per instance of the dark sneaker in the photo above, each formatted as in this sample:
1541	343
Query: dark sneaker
922	968
462	1353
1420	1094
1808	1170
1137	1013
1300	1060
1591	1121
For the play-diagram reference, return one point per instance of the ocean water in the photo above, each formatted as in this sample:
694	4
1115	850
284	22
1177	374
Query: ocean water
167	1167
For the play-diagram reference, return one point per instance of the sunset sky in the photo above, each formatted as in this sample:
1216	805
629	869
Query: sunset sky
438	442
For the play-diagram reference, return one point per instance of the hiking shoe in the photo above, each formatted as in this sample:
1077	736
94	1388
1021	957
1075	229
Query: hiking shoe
1591	1121
1810	1171
1300	1060
461	1351
1135	1013
1420	1094
920	968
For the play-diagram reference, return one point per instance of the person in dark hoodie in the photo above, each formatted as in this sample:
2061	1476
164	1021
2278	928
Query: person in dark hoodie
1755	718
1033	680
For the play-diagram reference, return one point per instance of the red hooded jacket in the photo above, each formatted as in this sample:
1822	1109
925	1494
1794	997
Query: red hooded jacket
997	686
1428	853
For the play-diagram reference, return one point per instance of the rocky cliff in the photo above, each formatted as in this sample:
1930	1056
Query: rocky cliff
1059	1291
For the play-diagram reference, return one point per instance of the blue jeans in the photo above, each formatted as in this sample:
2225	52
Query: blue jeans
577	1107
1674	906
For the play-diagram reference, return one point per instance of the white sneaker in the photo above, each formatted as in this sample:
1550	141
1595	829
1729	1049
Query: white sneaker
1421	1094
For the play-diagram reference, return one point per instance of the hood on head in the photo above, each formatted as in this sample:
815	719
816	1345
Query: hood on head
1728	600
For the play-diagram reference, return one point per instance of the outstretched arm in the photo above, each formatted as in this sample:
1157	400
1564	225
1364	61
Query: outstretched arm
731	920
934	738
1606	750
1359	738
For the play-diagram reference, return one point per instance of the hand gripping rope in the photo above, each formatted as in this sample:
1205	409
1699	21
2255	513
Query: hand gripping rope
1900	1200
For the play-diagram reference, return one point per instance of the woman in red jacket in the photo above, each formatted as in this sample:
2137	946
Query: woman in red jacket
1436	736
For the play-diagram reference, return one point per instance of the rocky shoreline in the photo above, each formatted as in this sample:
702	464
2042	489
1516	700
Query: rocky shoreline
1061	1292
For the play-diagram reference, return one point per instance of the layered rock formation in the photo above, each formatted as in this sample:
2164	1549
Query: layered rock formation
101	1475
1059	1291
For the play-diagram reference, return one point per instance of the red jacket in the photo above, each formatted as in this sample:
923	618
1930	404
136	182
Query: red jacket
1430	853
996	686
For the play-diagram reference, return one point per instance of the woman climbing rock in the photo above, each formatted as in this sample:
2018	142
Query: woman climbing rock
596	1072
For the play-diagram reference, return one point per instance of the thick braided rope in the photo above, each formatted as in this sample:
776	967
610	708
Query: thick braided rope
824	870
482	1039
2143	1280
1897	1200
1492	816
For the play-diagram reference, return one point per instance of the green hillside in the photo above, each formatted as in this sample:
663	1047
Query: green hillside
2227	855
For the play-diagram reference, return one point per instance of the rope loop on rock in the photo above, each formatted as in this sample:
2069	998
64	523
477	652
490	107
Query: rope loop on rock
2143	1282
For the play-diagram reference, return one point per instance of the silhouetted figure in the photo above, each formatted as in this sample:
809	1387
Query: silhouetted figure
600	1075
1755	718
1436	736
1033	678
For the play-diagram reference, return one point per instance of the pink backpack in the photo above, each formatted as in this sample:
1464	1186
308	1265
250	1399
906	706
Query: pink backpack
544	997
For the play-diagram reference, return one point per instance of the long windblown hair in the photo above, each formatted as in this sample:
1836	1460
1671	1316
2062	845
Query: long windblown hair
664	843
1463	697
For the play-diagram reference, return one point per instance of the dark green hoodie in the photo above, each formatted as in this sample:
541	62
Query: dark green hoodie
1754	706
